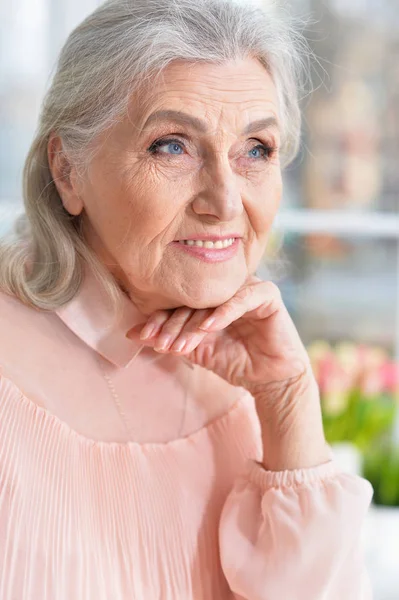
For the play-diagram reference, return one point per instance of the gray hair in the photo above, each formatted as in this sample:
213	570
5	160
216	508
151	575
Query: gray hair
114	52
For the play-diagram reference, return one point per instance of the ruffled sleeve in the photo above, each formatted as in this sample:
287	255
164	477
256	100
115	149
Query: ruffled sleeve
295	535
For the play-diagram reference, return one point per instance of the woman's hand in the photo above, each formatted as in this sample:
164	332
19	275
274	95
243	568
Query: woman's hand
252	341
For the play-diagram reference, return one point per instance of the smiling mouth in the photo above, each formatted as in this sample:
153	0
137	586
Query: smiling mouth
209	251
217	244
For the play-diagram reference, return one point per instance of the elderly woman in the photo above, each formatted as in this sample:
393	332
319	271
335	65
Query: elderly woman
160	426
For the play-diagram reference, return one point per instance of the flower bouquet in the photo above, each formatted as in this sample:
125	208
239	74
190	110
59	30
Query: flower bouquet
359	393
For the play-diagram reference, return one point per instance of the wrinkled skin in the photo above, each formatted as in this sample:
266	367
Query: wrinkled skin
135	202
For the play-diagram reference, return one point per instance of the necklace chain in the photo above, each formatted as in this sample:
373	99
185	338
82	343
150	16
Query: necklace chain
116	400
118	405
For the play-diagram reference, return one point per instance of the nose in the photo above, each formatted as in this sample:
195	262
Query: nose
220	195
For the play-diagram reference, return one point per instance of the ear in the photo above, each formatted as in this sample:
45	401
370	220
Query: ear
64	175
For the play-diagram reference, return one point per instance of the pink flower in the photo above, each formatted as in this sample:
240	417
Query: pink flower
351	366
348	357
371	356
333	376
390	377
335	385
371	381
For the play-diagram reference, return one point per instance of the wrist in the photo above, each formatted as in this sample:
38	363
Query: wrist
291	424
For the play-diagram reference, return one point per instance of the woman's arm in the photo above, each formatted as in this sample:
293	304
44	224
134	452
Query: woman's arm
291	424
291	530
295	535
291	527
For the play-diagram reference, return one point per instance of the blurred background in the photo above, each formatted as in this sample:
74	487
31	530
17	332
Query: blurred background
334	247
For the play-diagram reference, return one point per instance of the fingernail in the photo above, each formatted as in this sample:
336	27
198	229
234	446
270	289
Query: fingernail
178	346
147	331
191	344
134	331
163	342
208	323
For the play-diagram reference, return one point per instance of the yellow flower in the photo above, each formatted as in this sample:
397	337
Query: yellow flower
348	357
334	402
318	350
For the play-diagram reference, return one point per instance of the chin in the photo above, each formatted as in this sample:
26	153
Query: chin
211	295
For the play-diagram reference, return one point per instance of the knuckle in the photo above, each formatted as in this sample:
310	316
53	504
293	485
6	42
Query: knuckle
273	289
241	294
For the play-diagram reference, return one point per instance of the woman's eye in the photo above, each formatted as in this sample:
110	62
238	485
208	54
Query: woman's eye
262	151
173	145
176	147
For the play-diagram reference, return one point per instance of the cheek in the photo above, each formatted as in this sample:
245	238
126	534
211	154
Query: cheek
265	207
109	213
145	216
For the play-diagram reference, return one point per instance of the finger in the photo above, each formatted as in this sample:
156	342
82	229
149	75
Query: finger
153	325
172	328
187	344
263	298
191	335
184	321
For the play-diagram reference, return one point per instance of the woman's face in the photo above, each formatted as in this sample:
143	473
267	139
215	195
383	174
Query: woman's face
144	192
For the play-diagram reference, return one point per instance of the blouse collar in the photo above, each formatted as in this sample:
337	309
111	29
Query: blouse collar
89	316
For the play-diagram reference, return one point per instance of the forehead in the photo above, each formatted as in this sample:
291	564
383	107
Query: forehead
241	90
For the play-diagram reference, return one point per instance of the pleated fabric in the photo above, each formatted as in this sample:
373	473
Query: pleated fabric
197	518
166	500
81	519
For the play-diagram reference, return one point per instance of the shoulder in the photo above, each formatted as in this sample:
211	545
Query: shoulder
17	323
24	334
11	328
14	317
11	308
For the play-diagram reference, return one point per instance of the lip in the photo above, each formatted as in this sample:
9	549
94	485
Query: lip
210	255
209	236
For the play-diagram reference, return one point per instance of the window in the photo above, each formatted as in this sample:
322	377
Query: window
338	220
25	71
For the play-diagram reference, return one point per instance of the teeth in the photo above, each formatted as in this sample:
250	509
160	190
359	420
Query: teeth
209	244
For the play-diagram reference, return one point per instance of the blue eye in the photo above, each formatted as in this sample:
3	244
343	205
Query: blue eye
258	152
267	151
174	144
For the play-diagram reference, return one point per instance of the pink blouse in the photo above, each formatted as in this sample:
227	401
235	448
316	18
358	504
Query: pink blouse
126	474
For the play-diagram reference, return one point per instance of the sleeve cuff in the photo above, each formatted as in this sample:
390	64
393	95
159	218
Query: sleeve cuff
265	480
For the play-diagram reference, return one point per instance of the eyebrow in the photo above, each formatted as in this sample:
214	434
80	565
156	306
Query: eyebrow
183	118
